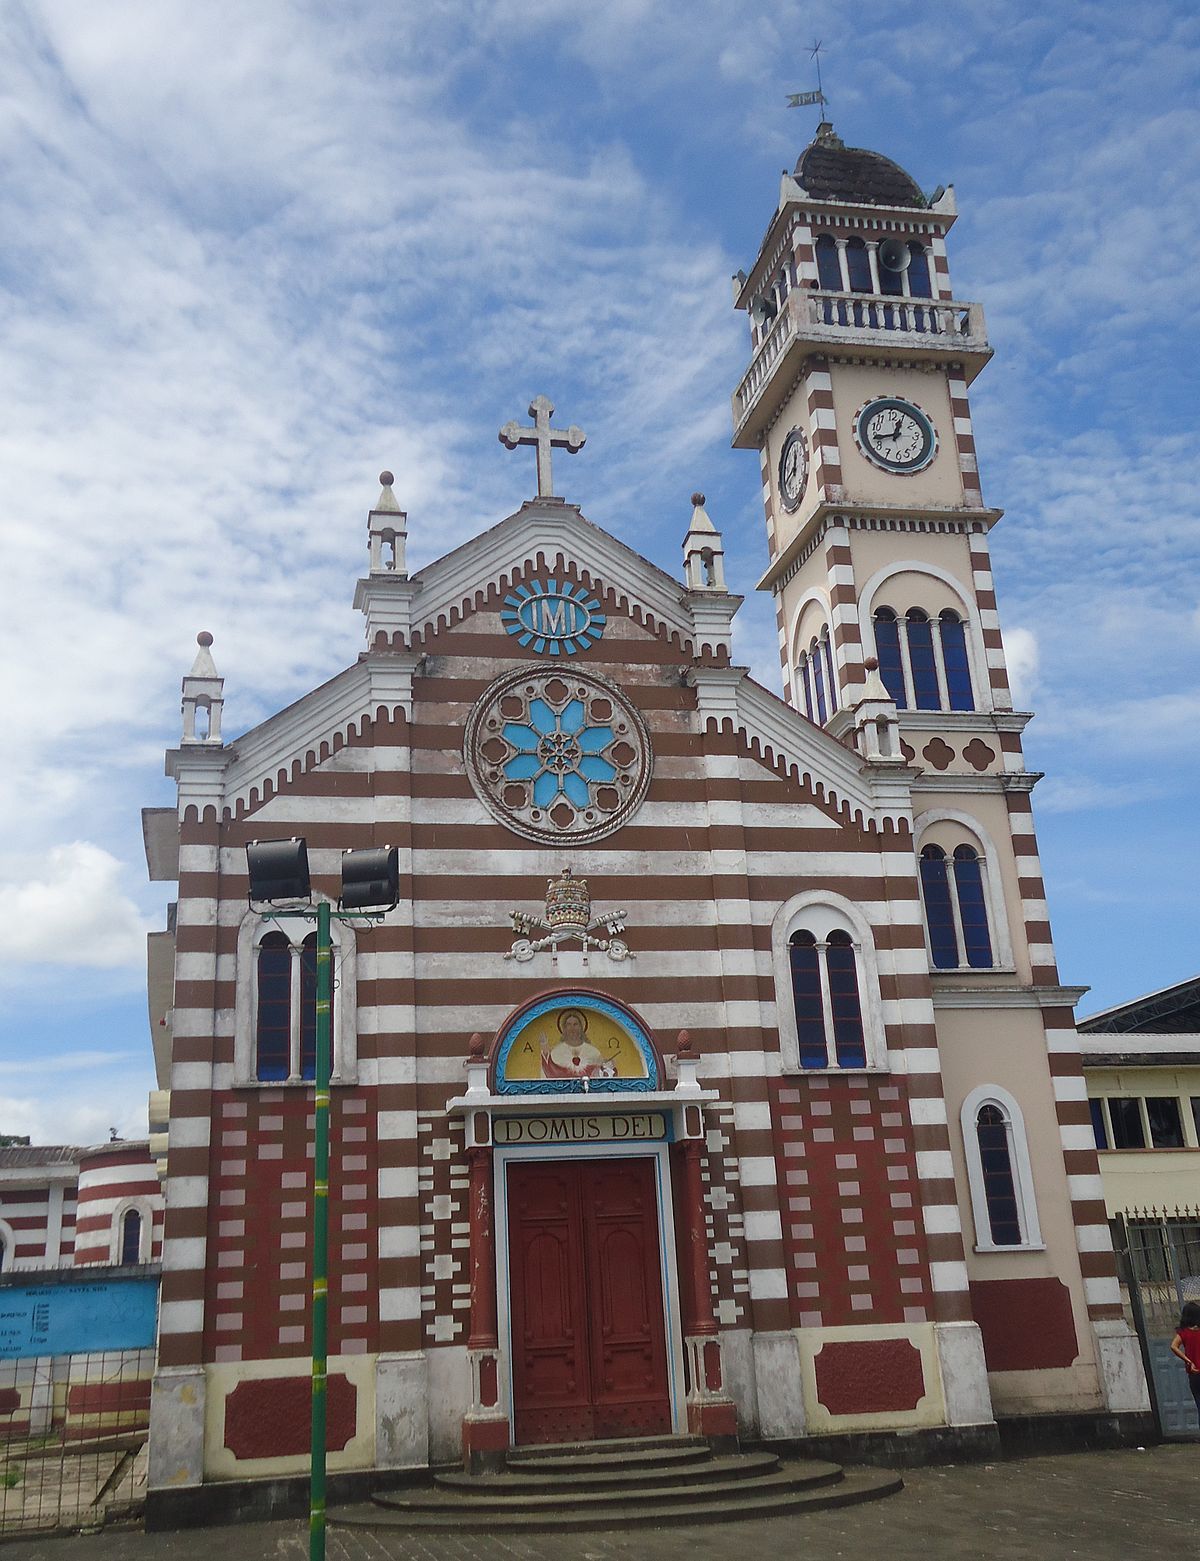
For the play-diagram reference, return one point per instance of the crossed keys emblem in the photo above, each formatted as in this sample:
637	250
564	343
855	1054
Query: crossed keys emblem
567	919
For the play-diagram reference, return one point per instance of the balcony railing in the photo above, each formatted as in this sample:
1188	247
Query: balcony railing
929	326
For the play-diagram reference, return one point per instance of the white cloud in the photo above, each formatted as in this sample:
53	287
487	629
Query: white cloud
69	909
82	1117
1067	793
1021	655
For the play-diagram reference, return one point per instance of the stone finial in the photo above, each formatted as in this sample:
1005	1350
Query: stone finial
876	724
387	531
476	1048
386	499
703	553
684	1047
874	687
203	697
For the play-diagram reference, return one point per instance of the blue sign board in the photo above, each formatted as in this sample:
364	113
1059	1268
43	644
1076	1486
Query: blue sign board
77	1319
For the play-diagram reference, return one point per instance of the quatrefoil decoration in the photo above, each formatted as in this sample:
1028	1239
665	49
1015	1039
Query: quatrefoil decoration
557	754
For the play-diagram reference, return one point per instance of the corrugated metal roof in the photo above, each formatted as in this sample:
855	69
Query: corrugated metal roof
18	1156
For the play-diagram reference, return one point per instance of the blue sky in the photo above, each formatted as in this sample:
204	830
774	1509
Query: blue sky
255	254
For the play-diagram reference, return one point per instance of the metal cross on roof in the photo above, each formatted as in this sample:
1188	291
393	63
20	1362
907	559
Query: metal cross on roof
545	438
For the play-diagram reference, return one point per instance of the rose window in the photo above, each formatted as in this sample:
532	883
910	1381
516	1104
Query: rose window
557	754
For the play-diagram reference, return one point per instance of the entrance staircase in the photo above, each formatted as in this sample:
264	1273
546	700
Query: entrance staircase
640	1483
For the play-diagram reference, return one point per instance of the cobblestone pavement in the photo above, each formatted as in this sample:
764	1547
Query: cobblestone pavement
1119	1506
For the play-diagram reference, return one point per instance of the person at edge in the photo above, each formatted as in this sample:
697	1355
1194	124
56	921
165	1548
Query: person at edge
1186	1345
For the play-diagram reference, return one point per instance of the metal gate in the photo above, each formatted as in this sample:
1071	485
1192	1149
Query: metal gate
76	1361
1160	1252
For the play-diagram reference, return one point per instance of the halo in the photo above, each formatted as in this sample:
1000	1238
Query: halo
562	1017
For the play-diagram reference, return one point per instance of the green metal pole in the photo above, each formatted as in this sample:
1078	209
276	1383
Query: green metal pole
320	1255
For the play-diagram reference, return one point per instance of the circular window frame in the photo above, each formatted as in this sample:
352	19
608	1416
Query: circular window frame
485	724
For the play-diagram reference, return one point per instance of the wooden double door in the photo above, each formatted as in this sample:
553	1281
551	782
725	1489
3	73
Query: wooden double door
589	1349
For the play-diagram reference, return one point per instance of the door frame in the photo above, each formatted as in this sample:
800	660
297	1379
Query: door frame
659	1153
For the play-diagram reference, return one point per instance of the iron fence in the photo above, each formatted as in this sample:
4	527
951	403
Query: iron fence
1159	1249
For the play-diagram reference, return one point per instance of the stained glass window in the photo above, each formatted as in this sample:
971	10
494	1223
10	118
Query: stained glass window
939	913
999	1188
954	659
274	1021
972	908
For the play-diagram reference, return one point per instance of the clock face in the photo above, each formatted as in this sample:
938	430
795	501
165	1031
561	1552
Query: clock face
895	435
793	468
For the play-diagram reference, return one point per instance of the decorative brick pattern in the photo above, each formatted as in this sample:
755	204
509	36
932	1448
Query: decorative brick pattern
851	1217
444	1180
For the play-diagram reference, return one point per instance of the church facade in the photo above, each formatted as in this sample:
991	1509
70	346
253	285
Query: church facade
713	1073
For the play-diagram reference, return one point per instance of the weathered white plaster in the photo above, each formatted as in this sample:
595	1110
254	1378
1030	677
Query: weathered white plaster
177	1397
449	1399
1121	1374
737	1356
777	1381
964	1373
402	1404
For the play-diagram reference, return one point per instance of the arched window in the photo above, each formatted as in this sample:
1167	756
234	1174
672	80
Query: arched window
308	1007
992	1130
827	1000
954	659
814	659
921	660
806	995
939	910
887	649
827	654
924	664
286	1015
804	676
816	683
972	907
274	1025
131	1237
918	272
999	1171
859	267
956	908
829	271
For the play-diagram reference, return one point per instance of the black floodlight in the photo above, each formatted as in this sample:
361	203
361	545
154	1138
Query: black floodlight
278	870
370	879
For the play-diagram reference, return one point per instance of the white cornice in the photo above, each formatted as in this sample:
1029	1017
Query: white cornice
965	720
1005	996
955	780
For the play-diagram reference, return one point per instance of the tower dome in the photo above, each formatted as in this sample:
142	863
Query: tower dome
831	171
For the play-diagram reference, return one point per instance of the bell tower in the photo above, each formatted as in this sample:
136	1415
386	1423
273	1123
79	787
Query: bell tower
856	398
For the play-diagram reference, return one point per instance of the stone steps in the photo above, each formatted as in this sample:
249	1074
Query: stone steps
778	1482
528	1477
640	1483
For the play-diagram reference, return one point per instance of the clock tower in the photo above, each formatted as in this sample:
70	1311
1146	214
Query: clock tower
856	398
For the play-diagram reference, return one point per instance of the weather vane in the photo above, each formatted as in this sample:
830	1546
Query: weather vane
807	99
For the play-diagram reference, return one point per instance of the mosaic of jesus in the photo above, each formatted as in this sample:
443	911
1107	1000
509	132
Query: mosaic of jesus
574	1043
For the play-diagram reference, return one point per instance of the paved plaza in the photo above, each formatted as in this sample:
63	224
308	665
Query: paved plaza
1115	1506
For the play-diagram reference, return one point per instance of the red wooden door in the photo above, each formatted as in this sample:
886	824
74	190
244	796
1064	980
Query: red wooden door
588	1340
